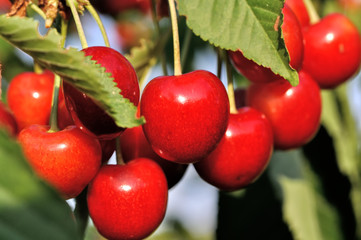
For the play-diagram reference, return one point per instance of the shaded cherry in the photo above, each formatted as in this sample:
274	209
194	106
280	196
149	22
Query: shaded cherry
83	109
300	10
128	201
65	120
332	50
29	97
134	144
293	38
186	116
294	112
68	160
7	120
243	153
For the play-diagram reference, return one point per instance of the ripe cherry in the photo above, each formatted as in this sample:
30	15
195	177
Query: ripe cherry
29	97
332	50
300	10
7	120
294	112
293	38
83	109
243	153
68	160
134	144
186	116
115	7
128	201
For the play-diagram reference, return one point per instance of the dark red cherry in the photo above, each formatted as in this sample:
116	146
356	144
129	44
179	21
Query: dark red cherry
87	115
134	144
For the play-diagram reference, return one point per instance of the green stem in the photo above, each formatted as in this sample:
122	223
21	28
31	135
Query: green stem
185	46
37	68
64	31
54	105
37	10
162	57
314	17
96	17
118	153
176	47
78	24
81	212
230	87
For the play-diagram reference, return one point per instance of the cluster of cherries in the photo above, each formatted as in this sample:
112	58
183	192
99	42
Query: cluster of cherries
188	121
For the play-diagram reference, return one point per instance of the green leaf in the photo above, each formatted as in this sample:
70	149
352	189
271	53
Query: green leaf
309	216
142	58
71	65
337	119
29	209
252	26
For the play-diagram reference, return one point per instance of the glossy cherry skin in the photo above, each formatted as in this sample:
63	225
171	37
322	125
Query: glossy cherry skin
332	50
87	115
29	97
186	116
7	120
134	144
243	153
300	10
293	38
128	201
68	160
294	112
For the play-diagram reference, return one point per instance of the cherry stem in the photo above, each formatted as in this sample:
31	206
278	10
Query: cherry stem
176	47
96	17
78	24
54	105
64	31
157	32
230	87
314	17
81	212
37	68
118	153
37	10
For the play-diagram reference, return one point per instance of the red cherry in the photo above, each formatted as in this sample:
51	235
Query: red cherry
5	5
117	6
7	120
29	97
293	38
128	201
68	159
186	116
243	153
83	109
300	10
134	144
332	50
294	112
